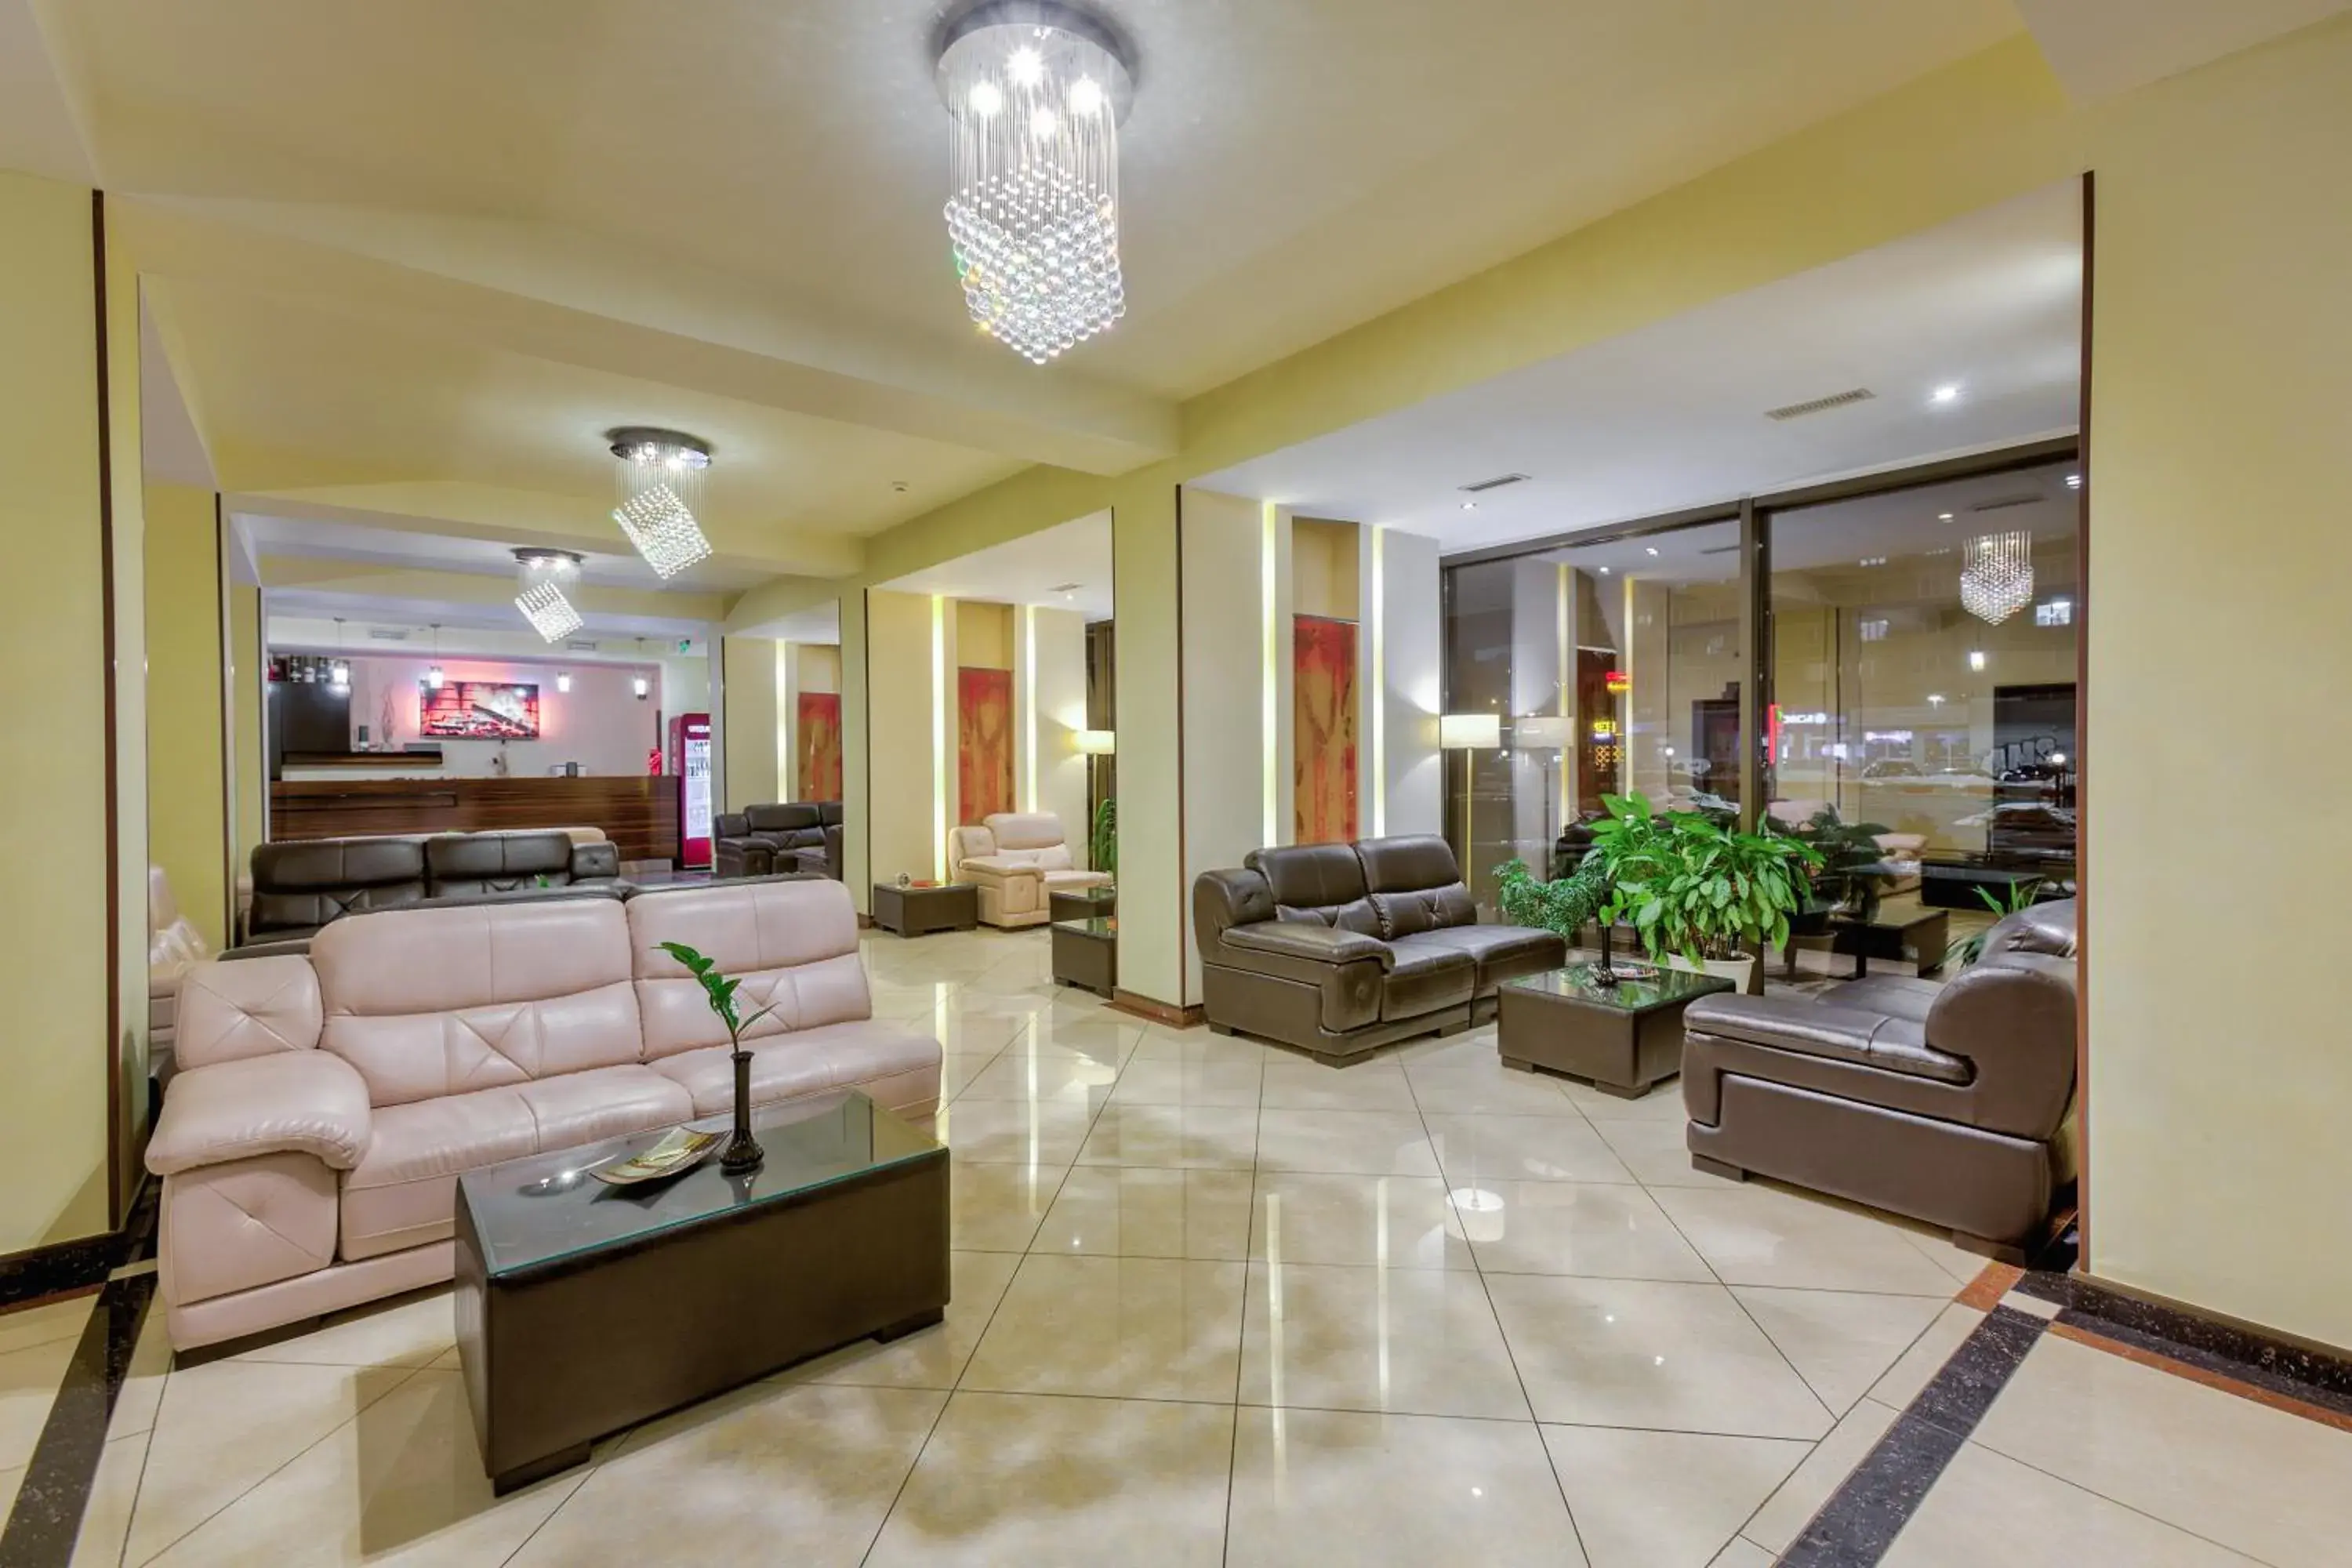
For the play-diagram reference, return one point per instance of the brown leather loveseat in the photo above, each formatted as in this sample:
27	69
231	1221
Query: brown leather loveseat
301	885
796	836
1340	948
1952	1103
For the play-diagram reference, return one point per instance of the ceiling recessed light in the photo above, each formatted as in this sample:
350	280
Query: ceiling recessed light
1944	394
1651	548
1604	571
1943	517
1469	506
2074	481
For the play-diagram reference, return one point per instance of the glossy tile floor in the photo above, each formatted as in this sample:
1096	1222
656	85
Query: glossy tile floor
1218	1303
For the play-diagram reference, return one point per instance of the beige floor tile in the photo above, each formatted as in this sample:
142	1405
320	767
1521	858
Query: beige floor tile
1199	1048
1790	1508
44	1324
1601	1230
28	1386
403	1483
407	1332
1011	1131
143	1380
1139	1328
970	1035
1313	1489
113	1490
1409	1341
1841	1343
1161	1080
1657	1153
997	1209
1753	1234
1359	1086
1482	1150
2043	1524
1132	1211
224	1427
1743	1552
1097	1038
1473	1048
12	1482
934	1357
1060	1483
1396	1222
1173	1137
1486	1089
1918	1365
2258	1481
803	1473
1663	1103
1620	1352
1959	1262
1364	1143
1073	1082
1663	1499
958	1068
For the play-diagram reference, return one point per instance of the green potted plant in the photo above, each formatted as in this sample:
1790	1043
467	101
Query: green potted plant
742	1154
1699	896
1563	906
1102	838
1840	885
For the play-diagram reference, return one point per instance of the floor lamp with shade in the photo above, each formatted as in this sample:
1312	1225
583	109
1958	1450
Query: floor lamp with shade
1468	733
1094	745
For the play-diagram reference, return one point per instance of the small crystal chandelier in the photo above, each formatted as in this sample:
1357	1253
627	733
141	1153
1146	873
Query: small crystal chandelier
660	485
543	574
1034	91
1997	575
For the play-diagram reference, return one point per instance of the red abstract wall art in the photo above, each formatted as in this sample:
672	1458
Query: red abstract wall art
818	734
984	742
1323	732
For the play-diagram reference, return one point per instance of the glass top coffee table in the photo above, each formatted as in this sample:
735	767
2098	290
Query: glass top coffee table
584	1308
1086	953
1620	1039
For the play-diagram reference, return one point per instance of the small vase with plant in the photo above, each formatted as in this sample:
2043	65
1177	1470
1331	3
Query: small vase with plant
742	1154
1695	892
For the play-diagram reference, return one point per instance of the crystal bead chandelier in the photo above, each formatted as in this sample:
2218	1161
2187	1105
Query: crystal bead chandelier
1034	91
542	575
660	485
1997	575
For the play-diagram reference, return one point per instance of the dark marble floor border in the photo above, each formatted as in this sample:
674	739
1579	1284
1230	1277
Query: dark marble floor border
1863	1517
2232	1351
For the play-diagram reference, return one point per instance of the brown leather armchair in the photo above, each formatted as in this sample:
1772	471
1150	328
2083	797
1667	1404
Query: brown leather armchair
1950	1103
1339	949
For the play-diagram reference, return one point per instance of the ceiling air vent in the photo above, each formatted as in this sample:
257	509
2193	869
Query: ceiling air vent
580	648
387	634
1498	482
2002	504
1821	404
1065	587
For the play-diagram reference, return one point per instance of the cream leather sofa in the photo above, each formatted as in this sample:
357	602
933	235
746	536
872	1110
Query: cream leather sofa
1016	859
326	1104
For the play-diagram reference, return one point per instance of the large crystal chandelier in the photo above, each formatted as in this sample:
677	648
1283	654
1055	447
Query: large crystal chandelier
1997	575
660	484
541	575
1035	91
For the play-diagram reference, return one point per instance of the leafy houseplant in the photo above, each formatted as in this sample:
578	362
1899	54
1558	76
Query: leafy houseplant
1563	906
1102	838
1694	890
742	1154
1845	848
2015	897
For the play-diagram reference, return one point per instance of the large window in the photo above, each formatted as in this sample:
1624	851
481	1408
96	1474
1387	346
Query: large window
1619	663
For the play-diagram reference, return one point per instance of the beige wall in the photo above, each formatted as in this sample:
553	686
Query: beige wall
984	634
819	665
248	669
187	809
752	726
54	1054
1403	768
902	803
1051	689
1325	576
128	653
1152	888
857	764
1226	765
2219	648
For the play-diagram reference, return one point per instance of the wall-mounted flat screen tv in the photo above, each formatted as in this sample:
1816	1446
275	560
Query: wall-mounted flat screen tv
477	710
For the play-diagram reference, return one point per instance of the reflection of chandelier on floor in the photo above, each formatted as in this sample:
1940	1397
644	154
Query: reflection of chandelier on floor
660	481
1997	575
1034	91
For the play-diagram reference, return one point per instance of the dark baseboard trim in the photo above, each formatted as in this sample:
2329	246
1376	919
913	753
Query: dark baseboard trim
1140	1006
65	1267
2214	1341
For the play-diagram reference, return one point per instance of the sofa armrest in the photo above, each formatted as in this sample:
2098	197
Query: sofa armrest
596	862
308	1102
1298	939
1813	1029
995	871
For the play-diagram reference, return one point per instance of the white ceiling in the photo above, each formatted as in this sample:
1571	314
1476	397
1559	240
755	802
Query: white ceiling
1672	416
363	610
1067	567
271	533
819	624
2099	48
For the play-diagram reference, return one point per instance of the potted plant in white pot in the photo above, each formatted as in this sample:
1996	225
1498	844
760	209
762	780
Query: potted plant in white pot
1697	895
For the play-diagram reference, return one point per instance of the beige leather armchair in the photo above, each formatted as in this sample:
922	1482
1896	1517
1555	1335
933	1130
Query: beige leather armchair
173	947
1016	860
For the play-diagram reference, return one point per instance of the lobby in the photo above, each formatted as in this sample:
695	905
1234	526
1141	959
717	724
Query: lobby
1897	432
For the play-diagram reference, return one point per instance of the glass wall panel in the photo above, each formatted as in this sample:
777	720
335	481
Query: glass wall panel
1924	667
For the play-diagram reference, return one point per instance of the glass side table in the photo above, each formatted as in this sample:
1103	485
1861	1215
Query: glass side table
1082	904
1086	953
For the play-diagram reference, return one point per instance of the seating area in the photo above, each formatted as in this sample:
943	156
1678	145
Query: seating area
299	886
1018	860
802	837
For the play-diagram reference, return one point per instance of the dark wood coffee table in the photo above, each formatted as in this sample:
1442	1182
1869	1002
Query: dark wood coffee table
918	911
1082	904
1086	953
1918	937
582	1308
1622	1039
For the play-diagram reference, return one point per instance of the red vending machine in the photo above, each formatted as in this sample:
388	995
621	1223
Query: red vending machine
690	760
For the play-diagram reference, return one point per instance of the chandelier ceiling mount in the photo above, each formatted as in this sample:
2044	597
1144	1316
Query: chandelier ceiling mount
658	475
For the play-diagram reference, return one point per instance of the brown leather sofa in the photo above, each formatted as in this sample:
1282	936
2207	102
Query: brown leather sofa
1340	948
301	885
796	836
327	1101
1953	1103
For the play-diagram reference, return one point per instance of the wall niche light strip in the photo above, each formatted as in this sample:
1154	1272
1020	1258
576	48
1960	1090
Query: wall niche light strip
939	736
1379	608
1268	674
1028	614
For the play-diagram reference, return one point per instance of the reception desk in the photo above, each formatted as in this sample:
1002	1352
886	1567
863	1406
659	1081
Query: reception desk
637	812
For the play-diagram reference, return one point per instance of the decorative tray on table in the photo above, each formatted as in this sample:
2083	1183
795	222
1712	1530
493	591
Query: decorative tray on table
681	1150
